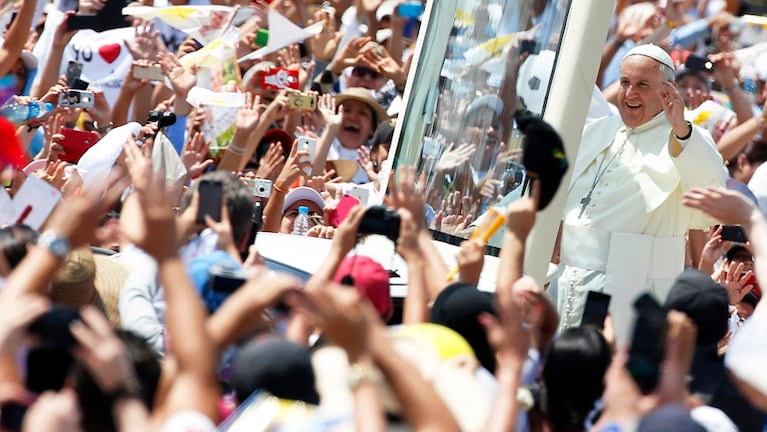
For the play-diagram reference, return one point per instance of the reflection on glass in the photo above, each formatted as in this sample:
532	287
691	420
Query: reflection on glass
498	58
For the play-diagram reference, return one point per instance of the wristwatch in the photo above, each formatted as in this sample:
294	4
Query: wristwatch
360	374
56	244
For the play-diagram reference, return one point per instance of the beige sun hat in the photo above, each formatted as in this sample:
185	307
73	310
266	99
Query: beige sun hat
363	95
85	278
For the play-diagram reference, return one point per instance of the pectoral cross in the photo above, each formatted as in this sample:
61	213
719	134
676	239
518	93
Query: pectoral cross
585	203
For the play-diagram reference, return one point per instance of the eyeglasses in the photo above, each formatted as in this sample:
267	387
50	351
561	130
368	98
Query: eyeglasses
361	71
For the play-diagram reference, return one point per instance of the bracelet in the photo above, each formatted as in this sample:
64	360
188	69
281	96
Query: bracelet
735	84
277	188
235	150
686	137
360	374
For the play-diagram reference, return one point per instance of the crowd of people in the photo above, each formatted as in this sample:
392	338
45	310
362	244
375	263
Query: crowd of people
140	162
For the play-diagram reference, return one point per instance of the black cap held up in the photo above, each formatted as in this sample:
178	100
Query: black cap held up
543	154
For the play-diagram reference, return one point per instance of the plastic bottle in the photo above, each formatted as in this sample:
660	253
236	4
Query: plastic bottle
19	113
301	224
749	87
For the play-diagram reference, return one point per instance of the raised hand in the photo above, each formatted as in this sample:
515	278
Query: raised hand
154	230
249	114
405	193
102	352
194	156
145	43
326	106
454	157
271	162
180	79
294	167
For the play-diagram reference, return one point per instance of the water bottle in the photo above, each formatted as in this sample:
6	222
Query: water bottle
301	224
18	113
749	87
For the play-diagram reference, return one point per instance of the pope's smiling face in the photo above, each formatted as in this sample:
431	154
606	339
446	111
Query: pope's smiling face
638	98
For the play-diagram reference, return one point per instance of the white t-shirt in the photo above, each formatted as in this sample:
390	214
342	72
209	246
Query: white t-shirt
339	152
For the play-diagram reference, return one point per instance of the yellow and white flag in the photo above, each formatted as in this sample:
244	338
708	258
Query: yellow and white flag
204	23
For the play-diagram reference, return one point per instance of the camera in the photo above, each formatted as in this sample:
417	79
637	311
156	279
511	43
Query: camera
226	279
380	220
76	99
163	118
260	187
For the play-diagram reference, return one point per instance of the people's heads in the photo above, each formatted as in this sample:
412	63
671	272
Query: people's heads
747	305
381	143
573	376
691	82
214	276
370	279
276	136
743	165
361	115
278	366
300	196
365	77
644	70
95	407
22	71
14	243
704	301
740	254
458	306
483	127
643	15
238	198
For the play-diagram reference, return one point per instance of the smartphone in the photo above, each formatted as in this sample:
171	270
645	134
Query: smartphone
76	143
261	188
151	72
411	9
302	101
74	69
734	233
362	195
308	144
345	204
211	198
224	280
52	328
76	99
595	312
81	22
648	340
699	64
79	84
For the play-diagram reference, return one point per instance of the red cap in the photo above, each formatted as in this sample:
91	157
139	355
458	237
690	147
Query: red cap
370	279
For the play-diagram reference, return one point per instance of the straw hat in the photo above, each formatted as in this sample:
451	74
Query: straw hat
85	278
363	95
346	169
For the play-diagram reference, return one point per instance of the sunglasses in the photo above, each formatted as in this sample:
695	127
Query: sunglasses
361	71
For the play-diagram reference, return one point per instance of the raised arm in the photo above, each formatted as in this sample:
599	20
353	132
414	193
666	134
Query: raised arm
194	385
17	36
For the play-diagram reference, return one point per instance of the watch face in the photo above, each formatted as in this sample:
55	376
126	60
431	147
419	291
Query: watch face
59	247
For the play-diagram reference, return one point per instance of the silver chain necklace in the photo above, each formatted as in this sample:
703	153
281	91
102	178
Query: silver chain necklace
601	169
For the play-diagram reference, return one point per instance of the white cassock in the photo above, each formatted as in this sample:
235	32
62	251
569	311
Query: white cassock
629	238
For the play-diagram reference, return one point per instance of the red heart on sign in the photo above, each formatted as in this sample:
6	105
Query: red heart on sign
109	52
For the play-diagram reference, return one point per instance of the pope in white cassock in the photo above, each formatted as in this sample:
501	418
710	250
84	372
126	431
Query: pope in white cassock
624	224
